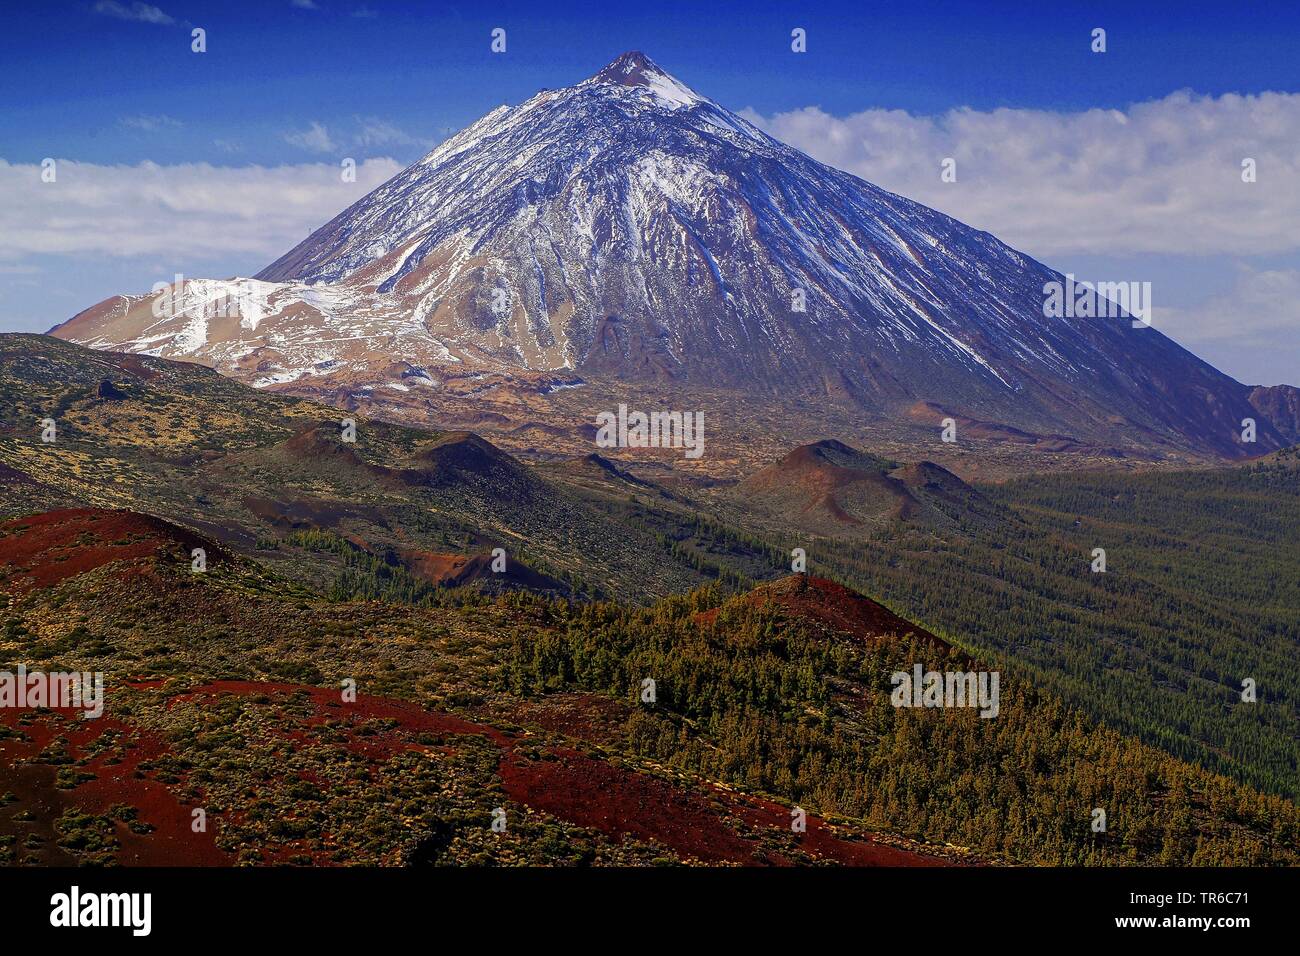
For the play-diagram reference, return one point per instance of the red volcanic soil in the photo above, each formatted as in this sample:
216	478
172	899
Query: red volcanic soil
711	825
834	605
434	567
328	705
820	839
581	716
593	793
459	570
42	550
171	842
118	779
599	795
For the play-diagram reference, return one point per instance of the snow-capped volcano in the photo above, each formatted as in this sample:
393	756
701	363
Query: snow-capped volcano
628	227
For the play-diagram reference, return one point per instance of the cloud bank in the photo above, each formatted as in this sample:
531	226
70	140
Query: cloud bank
174	212
1160	177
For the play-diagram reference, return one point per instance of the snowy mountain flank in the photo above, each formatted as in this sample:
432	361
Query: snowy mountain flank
628	228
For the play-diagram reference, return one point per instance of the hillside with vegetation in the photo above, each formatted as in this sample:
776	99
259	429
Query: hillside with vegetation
250	469
1200	593
226	693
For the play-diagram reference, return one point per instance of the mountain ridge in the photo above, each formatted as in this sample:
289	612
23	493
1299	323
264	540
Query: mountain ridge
629	229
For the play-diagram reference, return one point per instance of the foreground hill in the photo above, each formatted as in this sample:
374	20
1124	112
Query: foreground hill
219	699
224	694
833	606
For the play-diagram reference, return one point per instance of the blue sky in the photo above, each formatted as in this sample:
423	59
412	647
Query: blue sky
69	74
286	86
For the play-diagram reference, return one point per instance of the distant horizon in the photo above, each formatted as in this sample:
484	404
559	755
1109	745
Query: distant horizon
1120	165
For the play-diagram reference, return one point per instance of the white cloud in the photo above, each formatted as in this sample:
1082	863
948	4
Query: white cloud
191	210
315	138
1162	176
304	4
139	12
365	13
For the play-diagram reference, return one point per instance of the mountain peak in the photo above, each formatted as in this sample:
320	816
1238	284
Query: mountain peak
635	69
